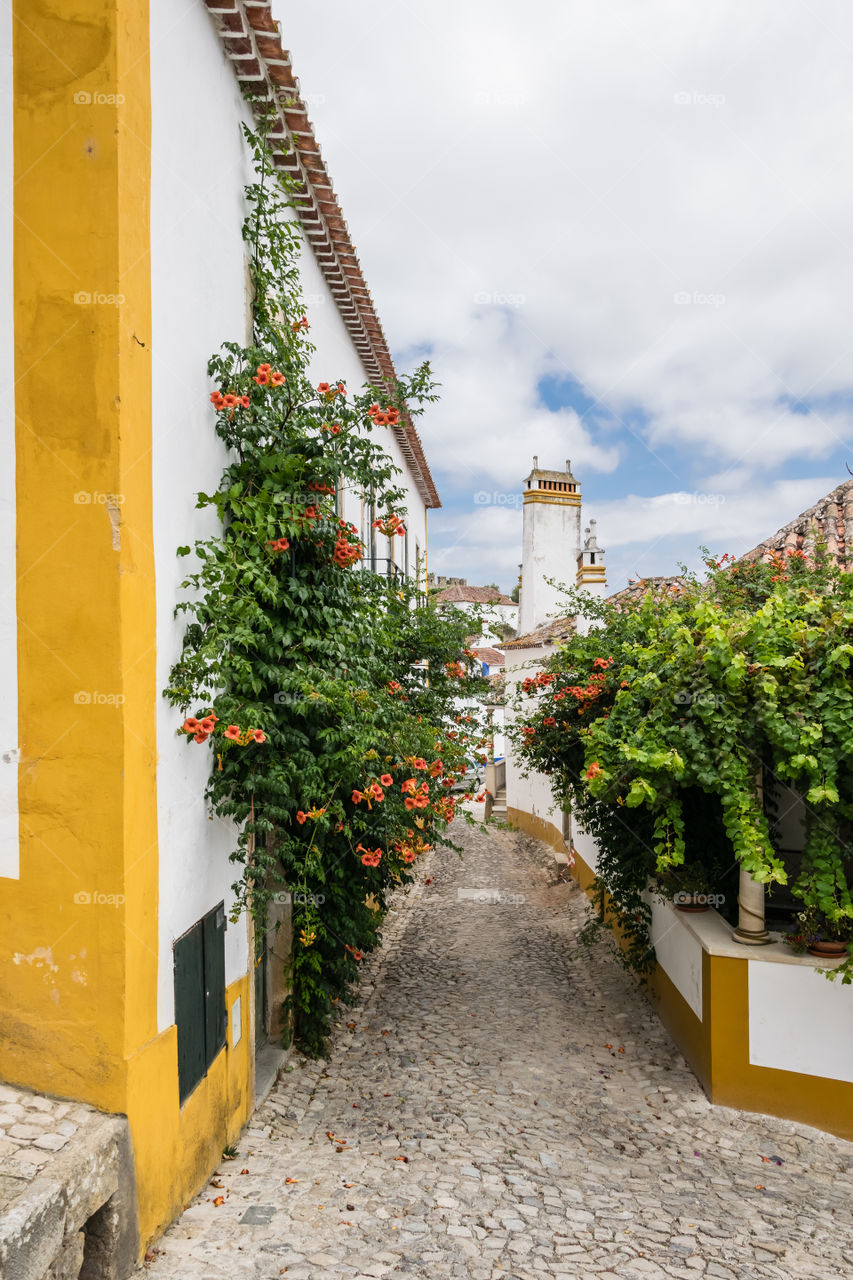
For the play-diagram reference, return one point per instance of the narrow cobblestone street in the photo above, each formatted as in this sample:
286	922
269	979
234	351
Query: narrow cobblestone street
499	1107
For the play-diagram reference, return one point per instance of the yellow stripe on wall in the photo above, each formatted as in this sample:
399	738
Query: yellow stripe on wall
78	931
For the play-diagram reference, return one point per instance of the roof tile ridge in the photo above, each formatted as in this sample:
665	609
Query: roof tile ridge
251	40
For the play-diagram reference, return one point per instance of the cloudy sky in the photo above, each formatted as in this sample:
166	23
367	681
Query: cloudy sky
622	232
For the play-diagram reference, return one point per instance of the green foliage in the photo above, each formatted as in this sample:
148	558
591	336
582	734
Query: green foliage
696	692
333	692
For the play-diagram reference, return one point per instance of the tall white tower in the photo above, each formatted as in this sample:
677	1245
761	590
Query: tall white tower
592	574
551	543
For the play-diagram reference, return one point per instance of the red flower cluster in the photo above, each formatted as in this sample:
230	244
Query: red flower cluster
389	525
540	681
278	544
455	669
373	791
228	401
394	686
309	514
604	663
416	797
445	807
314	814
410	848
300	324
356	955
346	552
549	722
384	417
330	392
333	427
317	486
267	376
200	729
594	770
369	857
244	736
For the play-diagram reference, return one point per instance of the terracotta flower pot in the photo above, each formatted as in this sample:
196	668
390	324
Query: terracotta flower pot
688	904
824	947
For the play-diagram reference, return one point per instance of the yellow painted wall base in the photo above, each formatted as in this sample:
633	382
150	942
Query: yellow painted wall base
79	941
717	1046
532	825
176	1148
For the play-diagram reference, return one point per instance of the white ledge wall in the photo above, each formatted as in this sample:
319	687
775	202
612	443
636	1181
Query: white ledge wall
800	1021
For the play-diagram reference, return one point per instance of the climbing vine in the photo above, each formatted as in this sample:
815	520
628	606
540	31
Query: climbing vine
339	710
703	691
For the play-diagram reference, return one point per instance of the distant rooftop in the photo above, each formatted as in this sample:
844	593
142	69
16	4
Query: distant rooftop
549	633
473	595
490	656
639	587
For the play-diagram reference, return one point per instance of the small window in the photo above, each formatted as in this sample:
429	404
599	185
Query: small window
199	959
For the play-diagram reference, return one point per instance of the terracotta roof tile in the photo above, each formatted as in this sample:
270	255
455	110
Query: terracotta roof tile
658	586
491	656
830	521
472	595
252	42
549	633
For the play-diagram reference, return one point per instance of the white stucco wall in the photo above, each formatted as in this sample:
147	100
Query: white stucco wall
531	794
8	611
334	360
490	615
585	845
199	300
799	1021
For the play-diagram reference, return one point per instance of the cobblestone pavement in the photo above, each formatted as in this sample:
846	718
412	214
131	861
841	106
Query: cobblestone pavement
498	1108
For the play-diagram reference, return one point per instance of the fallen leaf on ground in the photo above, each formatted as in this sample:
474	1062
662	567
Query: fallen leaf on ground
220	1200
244	1170
291	1179
405	1159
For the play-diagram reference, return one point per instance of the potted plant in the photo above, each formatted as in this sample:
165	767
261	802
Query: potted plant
687	886
820	934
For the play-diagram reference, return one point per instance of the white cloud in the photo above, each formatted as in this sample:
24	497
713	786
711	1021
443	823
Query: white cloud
585	168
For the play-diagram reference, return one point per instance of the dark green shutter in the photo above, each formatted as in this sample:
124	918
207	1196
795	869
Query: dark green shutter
189	1009
214	981
199	957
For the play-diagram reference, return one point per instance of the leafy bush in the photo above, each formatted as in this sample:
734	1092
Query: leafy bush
330	695
696	692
